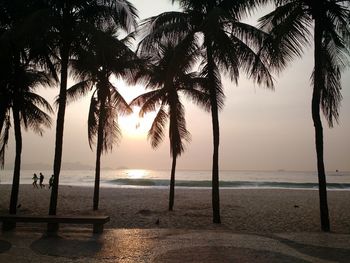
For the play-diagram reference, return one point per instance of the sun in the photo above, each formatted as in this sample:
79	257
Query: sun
135	126
132	125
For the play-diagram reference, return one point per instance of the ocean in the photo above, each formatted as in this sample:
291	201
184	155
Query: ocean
139	178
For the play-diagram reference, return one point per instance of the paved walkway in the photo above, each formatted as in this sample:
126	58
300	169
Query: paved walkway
169	245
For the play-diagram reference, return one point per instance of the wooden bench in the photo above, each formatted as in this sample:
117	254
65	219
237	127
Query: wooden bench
97	221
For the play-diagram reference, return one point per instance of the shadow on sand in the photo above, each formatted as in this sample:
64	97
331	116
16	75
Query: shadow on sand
69	247
4	246
213	254
341	255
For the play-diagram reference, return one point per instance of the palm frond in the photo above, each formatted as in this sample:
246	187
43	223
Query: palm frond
224	53
111	130
36	99
122	12
168	26
129	39
118	102
4	136
78	90
215	87
252	36
4	106
198	97
34	78
131	69
156	132
331	89
93	120
288	26
177	129
149	101
178	59
241	8
237	8
253	65
34	118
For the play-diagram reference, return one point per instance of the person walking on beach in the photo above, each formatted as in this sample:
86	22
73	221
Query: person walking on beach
35	179
41	180
51	181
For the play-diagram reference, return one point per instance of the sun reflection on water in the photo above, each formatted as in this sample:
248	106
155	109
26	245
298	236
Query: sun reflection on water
136	173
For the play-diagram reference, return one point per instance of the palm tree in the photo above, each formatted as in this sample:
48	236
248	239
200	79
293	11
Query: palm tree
68	24
18	81
228	46
291	23
28	109
103	57
167	77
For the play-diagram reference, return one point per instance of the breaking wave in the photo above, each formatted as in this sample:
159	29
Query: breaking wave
224	184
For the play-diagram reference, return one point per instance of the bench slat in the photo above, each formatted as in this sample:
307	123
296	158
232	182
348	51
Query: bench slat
57	219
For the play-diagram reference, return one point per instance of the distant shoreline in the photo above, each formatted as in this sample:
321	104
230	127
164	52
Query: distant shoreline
187	179
89	168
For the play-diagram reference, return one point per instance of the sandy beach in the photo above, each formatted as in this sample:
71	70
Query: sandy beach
242	210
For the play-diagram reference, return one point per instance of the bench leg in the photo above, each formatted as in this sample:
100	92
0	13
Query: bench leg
8	225
98	228
52	228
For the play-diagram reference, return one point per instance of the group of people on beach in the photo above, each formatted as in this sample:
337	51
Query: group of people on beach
41	181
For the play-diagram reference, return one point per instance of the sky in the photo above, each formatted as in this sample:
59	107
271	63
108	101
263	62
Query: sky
260	129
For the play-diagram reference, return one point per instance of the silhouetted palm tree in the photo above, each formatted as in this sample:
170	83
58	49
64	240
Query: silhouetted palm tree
70	23
103	57
167	76
28	109
19	78
228	45
290	24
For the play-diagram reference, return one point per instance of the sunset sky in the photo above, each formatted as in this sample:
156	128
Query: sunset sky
260	129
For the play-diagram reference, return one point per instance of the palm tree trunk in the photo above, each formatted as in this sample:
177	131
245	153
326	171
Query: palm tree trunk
215	171
98	155
172	184
316	99
17	168
52	227
216	135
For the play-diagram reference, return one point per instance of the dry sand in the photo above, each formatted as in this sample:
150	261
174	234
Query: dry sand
242	210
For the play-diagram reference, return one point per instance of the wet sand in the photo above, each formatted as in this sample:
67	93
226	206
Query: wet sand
242	210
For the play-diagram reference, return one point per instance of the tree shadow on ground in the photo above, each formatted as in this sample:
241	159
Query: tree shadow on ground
213	254
4	246
67	246
341	255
